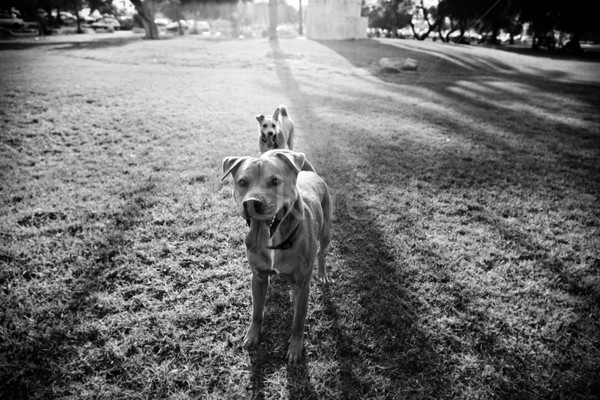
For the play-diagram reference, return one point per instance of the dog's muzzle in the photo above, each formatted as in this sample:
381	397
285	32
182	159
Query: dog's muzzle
256	209
253	209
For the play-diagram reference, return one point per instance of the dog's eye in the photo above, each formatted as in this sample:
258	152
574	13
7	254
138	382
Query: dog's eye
275	181
242	183
264	125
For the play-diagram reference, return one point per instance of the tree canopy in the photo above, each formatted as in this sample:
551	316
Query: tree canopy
573	20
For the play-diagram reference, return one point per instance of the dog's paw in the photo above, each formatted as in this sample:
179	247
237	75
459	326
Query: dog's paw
252	336
322	278
294	353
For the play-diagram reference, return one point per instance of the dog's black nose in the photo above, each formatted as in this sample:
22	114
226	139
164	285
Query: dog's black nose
270	133
254	208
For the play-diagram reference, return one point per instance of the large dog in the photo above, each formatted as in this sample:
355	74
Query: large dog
276	131
287	206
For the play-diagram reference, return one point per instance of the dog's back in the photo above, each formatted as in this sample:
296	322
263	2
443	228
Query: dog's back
315	194
318	210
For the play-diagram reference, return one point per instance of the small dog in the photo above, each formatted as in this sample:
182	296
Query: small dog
276	131
288	208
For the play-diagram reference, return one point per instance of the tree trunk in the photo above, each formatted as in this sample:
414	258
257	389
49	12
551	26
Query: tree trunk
43	25
495	32
574	43
415	34
394	20
59	20
535	42
77	17
273	19
180	16
425	35
439	32
146	14
462	28
49	19
235	19
300	27
430	27
79	30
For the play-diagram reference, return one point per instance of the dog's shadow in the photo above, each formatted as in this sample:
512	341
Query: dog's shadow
268	359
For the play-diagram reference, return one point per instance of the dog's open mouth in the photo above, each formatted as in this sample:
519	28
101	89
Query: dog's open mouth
273	222
276	220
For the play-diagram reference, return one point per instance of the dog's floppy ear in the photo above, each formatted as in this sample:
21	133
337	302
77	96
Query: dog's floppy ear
260	118
276	114
294	159
230	164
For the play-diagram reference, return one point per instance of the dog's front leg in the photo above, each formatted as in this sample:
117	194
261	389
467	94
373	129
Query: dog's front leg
259	294
300	294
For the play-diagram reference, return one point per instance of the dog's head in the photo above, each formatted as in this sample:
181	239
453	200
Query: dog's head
265	188
269	129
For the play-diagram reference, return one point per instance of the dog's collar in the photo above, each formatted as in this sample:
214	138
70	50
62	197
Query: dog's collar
287	243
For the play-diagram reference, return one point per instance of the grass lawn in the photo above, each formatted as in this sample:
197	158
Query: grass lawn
466	235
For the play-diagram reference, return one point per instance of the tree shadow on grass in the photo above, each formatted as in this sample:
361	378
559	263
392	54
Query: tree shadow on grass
372	322
371	316
558	54
366	321
463	64
530	115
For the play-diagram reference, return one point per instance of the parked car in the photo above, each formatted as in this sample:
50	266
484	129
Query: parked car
221	27
11	22
161	23
126	23
199	27
468	38
548	41
174	26
287	31
405	33
109	24
65	17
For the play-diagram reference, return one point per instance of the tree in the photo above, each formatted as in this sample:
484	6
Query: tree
173	10
425	13
273	19
577	19
300	27
495	15
233	10
460	14
390	15
574	18
145	10
103	6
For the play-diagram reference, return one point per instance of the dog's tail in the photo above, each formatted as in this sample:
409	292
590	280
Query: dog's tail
283	111
286	124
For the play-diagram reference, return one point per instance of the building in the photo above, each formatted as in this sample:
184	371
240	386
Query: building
335	19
